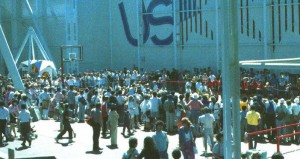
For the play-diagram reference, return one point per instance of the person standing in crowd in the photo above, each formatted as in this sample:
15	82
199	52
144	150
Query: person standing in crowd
281	114
145	111
296	114
126	122
155	104
81	106
149	150
206	121
113	118
132	153
96	116
215	109
25	118
104	112
66	124
13	113
71	99
195	106
4	119
218	149
243	114
187	137
253	119
120	110
161	140
45	99
271	117
289	120
169	107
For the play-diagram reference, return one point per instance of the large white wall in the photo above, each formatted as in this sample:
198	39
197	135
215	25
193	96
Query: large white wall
102	33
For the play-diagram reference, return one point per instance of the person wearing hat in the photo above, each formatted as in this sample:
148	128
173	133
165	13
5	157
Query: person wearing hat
4	119
281	114
195	106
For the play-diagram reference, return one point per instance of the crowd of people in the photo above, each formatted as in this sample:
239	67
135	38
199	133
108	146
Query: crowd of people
167	102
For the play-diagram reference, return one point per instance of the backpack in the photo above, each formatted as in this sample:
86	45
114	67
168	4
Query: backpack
82	101
280	115
270	109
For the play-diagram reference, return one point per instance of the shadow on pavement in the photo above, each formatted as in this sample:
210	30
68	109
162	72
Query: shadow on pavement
93	152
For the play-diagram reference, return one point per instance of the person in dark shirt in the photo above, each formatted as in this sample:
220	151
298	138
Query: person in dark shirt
66	123
149	151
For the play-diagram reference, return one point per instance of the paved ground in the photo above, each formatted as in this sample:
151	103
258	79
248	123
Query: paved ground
45	144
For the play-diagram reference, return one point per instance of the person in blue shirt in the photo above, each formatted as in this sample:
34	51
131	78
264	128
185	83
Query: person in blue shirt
161	139
243	122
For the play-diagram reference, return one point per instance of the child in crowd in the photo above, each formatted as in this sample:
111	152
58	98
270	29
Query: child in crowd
126	122
132	153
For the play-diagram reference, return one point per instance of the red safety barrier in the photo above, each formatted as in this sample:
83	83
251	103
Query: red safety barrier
284	136
267	130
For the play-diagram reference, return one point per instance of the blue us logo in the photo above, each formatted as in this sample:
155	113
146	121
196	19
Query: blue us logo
148	21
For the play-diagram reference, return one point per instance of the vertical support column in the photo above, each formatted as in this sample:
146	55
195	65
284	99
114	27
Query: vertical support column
111	35
265	29
226	81
230	69
138	32
235	78
72	32
175	35
217	34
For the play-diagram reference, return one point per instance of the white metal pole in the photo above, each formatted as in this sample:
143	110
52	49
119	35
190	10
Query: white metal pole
265	20
217	34
111	34
226	81
234	67
138	33
175	34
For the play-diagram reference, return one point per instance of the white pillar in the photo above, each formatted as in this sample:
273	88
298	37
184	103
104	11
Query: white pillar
230	80
217	34
265	21
110	35
235	78
138	32
175	35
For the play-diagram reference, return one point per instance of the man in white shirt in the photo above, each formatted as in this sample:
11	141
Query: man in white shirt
24	118
206	121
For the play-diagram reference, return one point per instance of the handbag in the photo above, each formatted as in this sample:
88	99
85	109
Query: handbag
90	121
